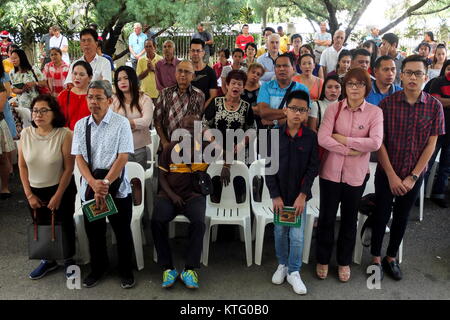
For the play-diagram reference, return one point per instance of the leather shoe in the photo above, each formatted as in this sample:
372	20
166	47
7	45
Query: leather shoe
392	268
377	265
441	202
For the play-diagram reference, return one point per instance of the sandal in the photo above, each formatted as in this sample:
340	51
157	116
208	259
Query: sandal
344	273
322	271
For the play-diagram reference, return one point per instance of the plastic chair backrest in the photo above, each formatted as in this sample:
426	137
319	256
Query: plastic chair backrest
135	170
257	168
228	197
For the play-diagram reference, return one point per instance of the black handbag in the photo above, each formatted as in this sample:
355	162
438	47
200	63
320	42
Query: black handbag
46	241
202	182
99	174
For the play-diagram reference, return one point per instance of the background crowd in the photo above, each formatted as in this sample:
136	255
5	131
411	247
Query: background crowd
322	97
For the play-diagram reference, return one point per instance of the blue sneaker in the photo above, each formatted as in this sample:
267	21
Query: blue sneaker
169	278
44	268
190	279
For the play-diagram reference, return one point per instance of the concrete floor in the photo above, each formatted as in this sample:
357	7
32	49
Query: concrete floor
426	267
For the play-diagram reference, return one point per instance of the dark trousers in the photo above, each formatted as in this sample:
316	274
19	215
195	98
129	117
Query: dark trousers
63	216
384	207
164	212
96	233
331	195
443	172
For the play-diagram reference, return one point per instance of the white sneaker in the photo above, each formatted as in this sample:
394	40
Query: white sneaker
279	275
296	282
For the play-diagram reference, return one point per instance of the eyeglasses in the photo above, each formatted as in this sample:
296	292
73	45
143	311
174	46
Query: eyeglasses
196	50
41	112
184	71
96	99
358	85
409	73
298	109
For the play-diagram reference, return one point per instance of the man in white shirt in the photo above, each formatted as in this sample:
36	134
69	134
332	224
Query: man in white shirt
101	67
61	42
330	55
268	58
322	40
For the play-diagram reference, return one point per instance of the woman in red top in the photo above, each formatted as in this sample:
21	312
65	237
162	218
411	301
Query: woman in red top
56	72
73	101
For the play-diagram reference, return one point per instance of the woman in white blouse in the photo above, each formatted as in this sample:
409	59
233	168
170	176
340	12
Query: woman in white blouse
137	107
331	92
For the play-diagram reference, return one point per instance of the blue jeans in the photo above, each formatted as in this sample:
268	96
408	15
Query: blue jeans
443	171
289	245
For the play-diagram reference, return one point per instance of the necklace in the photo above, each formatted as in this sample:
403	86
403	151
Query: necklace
231	106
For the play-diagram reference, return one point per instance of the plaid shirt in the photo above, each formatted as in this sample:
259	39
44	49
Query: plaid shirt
171	107
56	75
407	129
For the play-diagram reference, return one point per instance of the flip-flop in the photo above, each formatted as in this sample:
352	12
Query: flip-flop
344	273
322	271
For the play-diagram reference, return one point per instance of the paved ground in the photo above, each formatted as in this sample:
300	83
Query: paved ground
426	267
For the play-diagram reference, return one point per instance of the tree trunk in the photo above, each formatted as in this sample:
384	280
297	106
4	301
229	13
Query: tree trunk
356	16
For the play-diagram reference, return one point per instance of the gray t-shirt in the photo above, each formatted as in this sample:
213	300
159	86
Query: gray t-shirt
205	36
322	36
46	41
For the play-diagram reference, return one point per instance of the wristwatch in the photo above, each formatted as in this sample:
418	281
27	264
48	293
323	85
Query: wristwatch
414	177
106	181
275	123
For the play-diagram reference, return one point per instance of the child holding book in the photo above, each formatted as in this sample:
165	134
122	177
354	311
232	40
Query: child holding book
291	186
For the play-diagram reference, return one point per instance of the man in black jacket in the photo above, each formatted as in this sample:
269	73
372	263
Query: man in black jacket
291	186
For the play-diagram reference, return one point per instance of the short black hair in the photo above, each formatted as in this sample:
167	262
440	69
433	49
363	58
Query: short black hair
59	120
304	56
85	65
295	36
226	52
415	58
238	50
236	75
425	44
251	44
287	55
334	77
360	52
430	34
298	94
245	25
391	38
89	31
380	60
268	29
197	41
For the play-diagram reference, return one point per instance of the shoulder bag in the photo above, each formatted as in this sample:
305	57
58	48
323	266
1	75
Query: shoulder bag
99	173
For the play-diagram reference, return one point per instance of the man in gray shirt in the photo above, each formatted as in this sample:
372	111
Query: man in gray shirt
207	38
44	47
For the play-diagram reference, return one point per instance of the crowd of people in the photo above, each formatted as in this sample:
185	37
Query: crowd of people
333	106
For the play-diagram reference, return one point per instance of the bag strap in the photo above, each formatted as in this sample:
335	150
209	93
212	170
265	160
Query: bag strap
88	143
337	113
319	113
34	75
286	95
36	226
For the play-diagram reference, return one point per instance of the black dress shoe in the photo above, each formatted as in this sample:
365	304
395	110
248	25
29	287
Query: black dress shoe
377	265
441	202
392	268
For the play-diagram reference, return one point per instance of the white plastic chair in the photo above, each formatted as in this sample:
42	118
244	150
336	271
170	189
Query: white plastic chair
133	170
263	210
228	211
370	188
429	186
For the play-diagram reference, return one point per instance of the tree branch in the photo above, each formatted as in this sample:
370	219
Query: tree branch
356	16
429	12
405	15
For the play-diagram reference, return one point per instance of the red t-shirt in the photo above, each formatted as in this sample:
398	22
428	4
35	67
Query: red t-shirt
75	110
242	40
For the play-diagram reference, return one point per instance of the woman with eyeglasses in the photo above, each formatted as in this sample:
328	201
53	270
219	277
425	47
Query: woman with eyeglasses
46	168
351	129
25	79
73	100
137	107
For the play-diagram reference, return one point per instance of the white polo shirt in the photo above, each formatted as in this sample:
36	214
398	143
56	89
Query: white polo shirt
329	58
60	43
101	69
